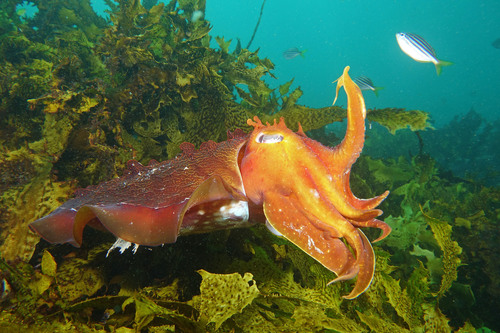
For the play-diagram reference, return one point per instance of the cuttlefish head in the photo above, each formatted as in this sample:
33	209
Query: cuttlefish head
304	189
266	158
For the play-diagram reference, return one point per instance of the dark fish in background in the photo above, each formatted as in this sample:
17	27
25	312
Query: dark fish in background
418	49
496	43
293	52
365	83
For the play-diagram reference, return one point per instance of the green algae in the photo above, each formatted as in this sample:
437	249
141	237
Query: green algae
222	296
76	104
396	118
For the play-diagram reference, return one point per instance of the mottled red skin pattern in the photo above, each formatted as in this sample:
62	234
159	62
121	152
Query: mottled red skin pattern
295	183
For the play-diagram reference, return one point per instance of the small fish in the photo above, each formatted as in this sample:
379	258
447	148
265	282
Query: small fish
293	52
496	43
418	49
365	83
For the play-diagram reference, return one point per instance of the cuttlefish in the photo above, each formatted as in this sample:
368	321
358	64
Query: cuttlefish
297	186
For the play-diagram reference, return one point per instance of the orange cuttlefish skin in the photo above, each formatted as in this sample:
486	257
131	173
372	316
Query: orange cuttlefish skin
295	183
304	189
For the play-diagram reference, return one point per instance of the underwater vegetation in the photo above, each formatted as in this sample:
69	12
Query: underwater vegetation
467	146
472	141
80	96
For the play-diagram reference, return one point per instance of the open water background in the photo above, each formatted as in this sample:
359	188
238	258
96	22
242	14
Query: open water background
361	34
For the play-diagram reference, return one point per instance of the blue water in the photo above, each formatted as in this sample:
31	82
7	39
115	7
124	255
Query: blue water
361	34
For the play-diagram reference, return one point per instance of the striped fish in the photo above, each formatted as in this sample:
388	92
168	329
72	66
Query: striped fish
365	83
293	52
418	49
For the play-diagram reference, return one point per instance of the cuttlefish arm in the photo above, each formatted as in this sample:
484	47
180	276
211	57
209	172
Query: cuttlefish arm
304	189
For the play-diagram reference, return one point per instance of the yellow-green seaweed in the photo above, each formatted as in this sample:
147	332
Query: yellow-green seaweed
224	295
77	103
451	252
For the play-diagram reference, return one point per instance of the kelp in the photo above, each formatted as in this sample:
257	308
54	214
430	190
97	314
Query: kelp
466	146
433	241
396	118
451	252
23	200
222	296
288	289
472	139
280	295
79	96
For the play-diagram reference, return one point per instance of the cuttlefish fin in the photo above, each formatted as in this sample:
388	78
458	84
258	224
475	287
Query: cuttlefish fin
57	227
150	226
145	225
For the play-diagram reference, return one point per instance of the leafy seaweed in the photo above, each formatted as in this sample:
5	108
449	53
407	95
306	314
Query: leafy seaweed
79	96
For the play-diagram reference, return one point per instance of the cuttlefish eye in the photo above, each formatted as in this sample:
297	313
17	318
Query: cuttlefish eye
269	138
